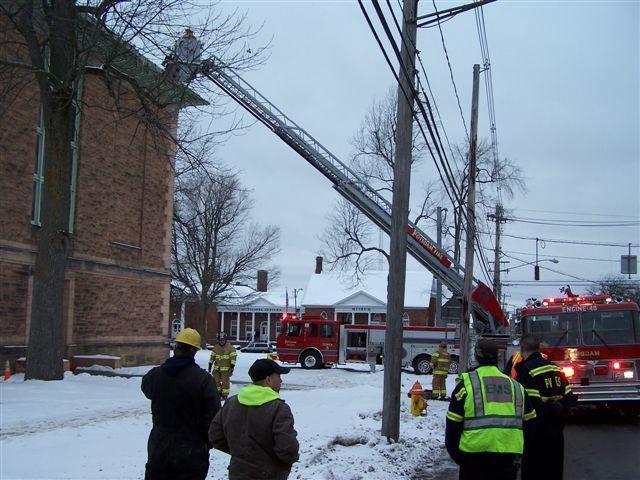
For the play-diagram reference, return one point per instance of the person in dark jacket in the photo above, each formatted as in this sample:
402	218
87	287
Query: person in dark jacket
184	401
489	420
552	397
256	427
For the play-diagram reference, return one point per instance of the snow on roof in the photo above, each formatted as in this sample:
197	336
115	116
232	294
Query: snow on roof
330	288
241	295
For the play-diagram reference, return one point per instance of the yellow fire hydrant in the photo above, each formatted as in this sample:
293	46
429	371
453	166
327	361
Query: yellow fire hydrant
418	398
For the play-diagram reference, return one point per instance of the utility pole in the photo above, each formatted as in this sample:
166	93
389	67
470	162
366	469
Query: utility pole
499	219
470	235
399	223
438	283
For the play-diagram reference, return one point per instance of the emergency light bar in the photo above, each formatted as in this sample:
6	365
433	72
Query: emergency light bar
581	299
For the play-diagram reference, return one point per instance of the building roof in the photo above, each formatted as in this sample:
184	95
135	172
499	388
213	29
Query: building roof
330	288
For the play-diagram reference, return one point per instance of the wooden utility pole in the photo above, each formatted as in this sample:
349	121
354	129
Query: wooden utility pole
497	217
399	223
438	282
470	236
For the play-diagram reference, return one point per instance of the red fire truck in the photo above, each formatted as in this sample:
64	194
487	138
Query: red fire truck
596	342
314	342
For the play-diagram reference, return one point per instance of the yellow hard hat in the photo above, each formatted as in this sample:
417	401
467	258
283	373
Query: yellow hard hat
190	337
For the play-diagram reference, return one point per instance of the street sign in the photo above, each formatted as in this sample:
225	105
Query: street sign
629	264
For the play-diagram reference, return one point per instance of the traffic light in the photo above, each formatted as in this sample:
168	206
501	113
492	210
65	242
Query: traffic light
536	272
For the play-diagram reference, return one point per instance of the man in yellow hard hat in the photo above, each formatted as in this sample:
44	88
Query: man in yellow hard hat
184	401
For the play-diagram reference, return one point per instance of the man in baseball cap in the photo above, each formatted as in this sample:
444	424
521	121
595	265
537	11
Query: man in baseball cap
255	427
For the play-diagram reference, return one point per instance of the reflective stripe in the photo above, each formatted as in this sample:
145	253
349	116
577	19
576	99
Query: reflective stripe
567	390
519	397
221	369
493	421
553	398
441	372
530	415
533	392
459	396
544	369
474	378
454	416
224	357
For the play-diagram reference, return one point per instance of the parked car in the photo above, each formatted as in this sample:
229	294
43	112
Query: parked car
258	347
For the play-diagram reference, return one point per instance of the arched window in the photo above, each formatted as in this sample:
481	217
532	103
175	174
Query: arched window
324	315
406	319
176	326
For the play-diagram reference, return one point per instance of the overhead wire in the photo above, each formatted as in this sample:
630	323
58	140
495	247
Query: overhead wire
429	119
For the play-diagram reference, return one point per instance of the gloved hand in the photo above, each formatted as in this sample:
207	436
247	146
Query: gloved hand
555	409
231	371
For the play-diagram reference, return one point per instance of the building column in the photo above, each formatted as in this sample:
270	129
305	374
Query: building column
222	321
335	314
368	318
238	329
269	326
253	326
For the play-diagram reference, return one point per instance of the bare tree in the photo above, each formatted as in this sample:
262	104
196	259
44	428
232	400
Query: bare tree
490	173
349	243
215	245
54	44
617	285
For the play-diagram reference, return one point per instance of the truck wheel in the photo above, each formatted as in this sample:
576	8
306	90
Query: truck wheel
454	366
310	359
421	365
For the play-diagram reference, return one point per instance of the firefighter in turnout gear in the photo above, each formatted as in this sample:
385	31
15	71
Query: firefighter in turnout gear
552	398
223	361
488	419
440	362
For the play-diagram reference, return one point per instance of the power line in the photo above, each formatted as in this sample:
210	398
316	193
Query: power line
572	242
431	126
572	223
455	87
560	256
575	213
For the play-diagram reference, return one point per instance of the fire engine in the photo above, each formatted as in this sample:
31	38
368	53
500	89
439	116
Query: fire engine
595	340
314	342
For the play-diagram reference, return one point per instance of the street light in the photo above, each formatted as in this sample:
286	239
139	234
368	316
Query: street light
536	270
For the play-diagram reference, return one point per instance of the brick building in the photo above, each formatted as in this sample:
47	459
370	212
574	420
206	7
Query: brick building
116	292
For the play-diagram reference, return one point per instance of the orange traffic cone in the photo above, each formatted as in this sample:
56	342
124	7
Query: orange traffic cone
7	370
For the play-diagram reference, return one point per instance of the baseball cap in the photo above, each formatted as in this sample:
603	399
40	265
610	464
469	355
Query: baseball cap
264	367
486	349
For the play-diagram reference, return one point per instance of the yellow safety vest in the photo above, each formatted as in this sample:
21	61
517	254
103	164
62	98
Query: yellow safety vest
493	412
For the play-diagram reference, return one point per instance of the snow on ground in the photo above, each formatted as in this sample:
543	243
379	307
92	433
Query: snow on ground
93	427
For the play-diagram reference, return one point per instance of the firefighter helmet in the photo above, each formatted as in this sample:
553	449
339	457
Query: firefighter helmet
189	336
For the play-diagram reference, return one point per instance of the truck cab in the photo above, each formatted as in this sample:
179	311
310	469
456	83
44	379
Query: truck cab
312	341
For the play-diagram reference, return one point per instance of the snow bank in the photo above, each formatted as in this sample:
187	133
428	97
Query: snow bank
96	427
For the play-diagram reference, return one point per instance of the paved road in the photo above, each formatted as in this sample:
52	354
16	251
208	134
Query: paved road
606	449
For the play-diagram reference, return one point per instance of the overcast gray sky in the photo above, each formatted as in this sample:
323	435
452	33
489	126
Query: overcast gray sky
566	87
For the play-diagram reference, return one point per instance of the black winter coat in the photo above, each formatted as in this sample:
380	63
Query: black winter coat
184	401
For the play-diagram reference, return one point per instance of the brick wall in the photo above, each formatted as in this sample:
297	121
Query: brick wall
117	286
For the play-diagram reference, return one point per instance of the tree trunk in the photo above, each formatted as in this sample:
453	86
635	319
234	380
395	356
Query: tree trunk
45	349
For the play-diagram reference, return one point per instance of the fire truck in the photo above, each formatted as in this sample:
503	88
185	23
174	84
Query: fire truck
596	342
314	342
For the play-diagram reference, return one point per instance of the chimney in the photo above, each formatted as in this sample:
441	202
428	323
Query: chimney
318	265
262	280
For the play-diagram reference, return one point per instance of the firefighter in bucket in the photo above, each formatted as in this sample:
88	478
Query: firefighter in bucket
223	361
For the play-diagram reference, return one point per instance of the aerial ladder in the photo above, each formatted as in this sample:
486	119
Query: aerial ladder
485	307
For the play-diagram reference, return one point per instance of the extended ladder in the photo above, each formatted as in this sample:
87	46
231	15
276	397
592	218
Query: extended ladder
352	187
